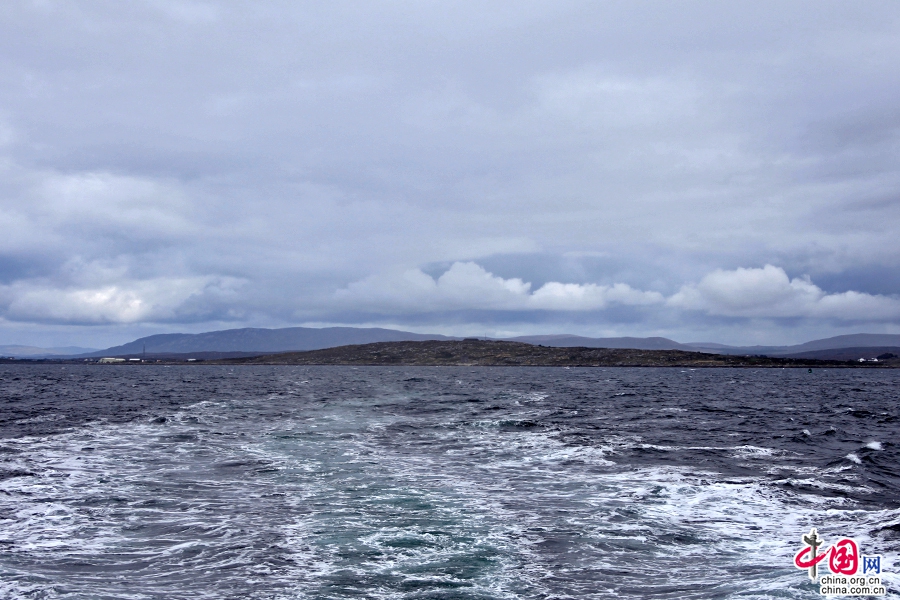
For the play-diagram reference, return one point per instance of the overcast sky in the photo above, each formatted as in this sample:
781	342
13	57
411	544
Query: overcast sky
705	171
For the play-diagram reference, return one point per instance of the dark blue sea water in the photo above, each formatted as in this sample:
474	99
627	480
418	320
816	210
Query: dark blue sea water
340	482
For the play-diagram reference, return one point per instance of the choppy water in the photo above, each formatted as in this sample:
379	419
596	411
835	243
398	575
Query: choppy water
334	482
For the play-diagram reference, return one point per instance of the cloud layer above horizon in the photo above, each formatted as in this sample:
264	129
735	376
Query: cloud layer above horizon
700	170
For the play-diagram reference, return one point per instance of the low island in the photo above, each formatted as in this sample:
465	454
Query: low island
472	352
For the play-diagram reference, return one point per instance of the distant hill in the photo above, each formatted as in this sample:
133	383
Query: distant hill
298	339
573	341
866	352
856	340
36	352
725	349
474	352
251	340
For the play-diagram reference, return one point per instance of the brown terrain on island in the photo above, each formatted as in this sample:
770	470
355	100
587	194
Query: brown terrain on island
473	352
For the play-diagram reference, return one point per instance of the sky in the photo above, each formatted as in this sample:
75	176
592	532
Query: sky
705	171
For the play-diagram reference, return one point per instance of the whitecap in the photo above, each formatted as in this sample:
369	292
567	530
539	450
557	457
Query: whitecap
853	457
748	451
874	445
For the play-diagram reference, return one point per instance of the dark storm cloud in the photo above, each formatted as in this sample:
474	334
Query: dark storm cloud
617	167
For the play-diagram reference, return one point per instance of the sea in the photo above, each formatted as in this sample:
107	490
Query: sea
203	481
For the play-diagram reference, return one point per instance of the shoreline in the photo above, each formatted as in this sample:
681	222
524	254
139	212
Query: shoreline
474	353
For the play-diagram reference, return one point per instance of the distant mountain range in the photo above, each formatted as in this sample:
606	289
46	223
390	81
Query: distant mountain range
262	341
249	341
575	341
865	352
842	347
35	352
857	340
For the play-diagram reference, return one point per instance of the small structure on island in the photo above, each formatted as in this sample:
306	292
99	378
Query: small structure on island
108	361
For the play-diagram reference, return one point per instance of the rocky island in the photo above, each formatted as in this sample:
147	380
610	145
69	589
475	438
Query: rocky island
472	352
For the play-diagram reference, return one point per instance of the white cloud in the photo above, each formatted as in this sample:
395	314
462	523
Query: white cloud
301	147
125	301
468	286
44	212
752	293
574	296
464	285
106	203
769	292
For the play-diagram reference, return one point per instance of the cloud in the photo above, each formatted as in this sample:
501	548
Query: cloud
468	286
766	293
91	214
315	153
574	296
113	204
125	301
769	292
